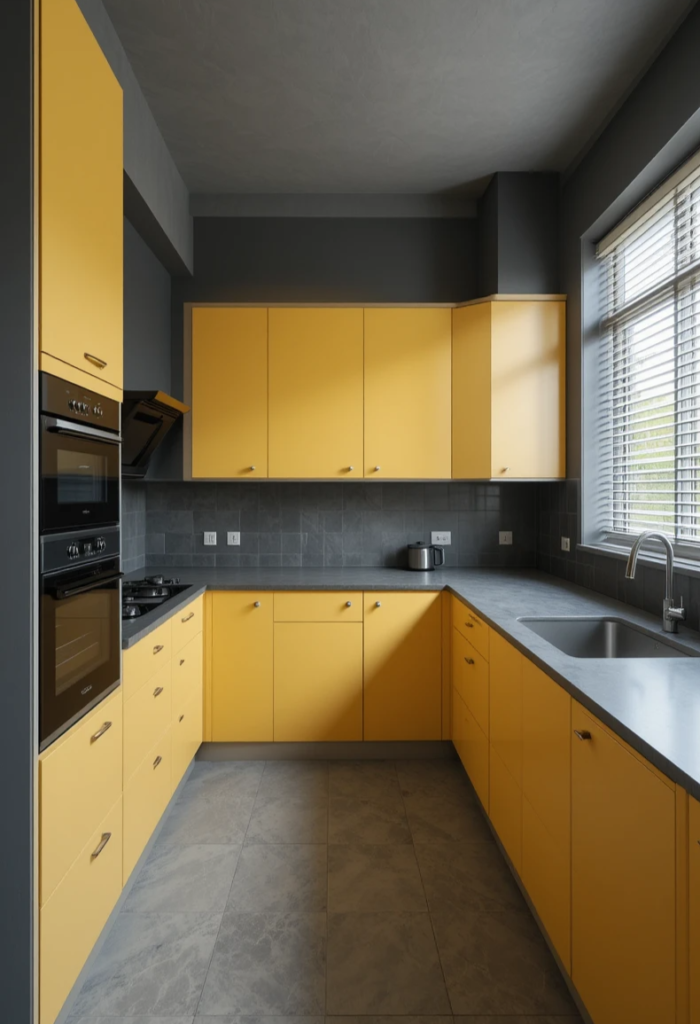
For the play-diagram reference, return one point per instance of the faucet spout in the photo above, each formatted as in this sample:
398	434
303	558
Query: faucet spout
671	615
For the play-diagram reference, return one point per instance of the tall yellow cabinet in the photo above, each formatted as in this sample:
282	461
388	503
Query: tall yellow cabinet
81	222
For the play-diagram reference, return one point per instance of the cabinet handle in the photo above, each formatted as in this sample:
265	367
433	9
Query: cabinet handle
350	469
106	836
472	617
348	604
582	734
101	731
257	604
158	648
378	604
188	617
182	661
377	468
180	718
157	761
469	625
252	469
96	360
158	690
469	661
505	469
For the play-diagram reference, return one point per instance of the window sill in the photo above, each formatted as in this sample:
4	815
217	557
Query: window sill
682	566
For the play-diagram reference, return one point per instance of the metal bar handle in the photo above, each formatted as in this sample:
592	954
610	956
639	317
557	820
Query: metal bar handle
582	734
102	363
158	648
58	426
180	718
182	661
469	625
472	617
158	690
106	836
157	761
469	661
188	617
100	732
84	588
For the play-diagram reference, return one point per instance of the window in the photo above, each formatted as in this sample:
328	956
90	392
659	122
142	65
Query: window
649	399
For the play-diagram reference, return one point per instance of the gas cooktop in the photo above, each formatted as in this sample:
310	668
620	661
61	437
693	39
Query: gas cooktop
142	596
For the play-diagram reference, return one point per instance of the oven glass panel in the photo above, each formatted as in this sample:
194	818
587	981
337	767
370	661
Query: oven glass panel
79	481
81	478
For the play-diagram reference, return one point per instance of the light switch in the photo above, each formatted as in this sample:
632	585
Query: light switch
209	537
233	538
505	537
565	544
441	537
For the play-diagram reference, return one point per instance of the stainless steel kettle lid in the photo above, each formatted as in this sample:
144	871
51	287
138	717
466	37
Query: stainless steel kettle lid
420	544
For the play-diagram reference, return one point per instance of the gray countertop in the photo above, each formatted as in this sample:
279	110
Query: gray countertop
652	703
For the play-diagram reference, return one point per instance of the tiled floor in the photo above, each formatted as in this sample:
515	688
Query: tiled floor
319	890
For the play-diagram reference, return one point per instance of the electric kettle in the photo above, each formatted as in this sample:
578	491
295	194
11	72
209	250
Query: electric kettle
424	557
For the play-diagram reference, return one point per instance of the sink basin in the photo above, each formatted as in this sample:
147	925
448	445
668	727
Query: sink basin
604	637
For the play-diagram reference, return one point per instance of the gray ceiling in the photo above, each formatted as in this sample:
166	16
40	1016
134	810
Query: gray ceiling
382	96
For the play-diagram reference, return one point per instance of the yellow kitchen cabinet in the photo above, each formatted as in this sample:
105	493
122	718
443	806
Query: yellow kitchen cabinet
402	666
318	681
146	717
506	808
470	677
241	666
188	672
147	657
186	737
316	392
506	704
81	223
472	747
694	916
407	393
146	796
229	392
546	865
472	628
72	919
623	879
187	623
508	389
318	606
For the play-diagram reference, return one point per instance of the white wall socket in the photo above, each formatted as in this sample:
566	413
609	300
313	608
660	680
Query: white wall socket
505	537
209	537
565	544
441	537
233	537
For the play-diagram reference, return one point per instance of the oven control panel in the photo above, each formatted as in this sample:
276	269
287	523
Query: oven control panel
69	401
64	551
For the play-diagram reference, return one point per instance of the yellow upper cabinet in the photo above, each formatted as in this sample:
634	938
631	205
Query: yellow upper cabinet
508	389
316	391
407	393
694	916
81	222
229	392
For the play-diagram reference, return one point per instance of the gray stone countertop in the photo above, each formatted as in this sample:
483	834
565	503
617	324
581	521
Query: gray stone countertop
652	703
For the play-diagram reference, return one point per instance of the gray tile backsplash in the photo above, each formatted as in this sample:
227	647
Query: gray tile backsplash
317	524
133	525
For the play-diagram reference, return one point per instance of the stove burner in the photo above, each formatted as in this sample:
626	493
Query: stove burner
130	611
140	596
160	581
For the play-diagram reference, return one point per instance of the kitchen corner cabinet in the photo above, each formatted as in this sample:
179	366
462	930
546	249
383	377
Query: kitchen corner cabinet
508	389
402	666
407	393
623	879
81	222
241	667
229	392
315	393
694	916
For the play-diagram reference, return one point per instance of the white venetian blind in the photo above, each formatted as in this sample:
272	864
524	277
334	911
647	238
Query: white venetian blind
650	379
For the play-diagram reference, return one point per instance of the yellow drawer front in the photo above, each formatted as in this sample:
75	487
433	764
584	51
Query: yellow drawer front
187	622
145	658
506	809
319	607
546	874
472	747
146	717
471	627
187	738
471	678
188	673
146	796
71	920
80	778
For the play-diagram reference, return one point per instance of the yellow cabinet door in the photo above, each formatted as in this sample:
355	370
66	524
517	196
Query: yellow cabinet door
146	796
694	915
318	681
407	393
470	677
316	392
81	223
623	880
146	717
147	657
229	392
187	623
403	666
506	704
471	392
472	746
186	738
241	659
506	808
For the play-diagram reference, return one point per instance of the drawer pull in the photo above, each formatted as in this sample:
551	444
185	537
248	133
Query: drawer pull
348	604
473	617
157	761
378	604
158	648
582	734
188	617
469	661
181	718
101	363
158	690
106	836
469	625
100	732
257	604
182	661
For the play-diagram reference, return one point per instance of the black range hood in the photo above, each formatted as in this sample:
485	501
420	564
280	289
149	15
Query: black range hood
147	416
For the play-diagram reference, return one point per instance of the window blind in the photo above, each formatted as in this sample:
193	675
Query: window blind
649	427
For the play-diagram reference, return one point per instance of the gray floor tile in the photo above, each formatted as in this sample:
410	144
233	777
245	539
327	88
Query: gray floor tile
518	1019
280	880
184	878
467	876
215	805
131	1020
383	964
368	817
355	778
238	1018
443	813
289	819
150	964
294	779
374	878
405	1019
267	964
498	963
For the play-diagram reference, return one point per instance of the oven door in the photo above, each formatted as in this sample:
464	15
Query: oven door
80	653
80	469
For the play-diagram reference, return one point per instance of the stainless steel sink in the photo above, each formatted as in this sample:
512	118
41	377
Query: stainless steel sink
604	637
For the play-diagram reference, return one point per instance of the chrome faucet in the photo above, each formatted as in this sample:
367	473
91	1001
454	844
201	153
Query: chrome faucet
671	616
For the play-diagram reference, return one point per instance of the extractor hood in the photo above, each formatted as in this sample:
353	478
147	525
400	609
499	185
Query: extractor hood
147	416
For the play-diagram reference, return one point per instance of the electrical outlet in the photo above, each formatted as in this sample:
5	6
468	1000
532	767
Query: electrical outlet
505	537
441	537
233	537
209	538
565	544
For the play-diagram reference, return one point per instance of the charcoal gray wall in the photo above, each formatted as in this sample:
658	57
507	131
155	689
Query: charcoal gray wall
17	597
147	334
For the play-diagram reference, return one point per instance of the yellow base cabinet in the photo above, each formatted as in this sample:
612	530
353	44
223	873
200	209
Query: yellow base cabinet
141	662
146	796
506	743
472	747
508	389
186	738
506	808
241	666
146	716
81	187
694	916
403	666
470	677
623	880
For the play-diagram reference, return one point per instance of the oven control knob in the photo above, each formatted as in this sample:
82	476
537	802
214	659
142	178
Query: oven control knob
100	544
84	407
97	410
73	551
72	404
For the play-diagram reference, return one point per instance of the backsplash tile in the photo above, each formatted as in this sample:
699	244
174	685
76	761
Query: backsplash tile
134	542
